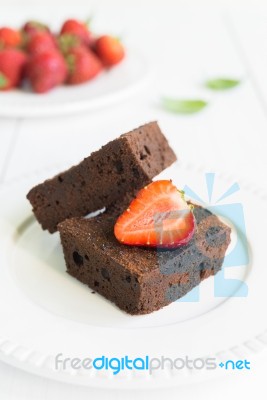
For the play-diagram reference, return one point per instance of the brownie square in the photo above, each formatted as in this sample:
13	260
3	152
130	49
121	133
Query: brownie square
141	280
124	164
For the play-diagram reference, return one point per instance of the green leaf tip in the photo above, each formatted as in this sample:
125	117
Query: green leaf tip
222	83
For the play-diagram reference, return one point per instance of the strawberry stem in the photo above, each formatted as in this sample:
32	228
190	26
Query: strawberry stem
70	60
37	24
118	38
3	81
88	21
66	42
182	193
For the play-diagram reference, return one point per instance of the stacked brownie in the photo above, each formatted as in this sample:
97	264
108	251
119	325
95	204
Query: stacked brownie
123	165
139	280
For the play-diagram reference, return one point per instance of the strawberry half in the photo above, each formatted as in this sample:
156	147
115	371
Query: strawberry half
158	217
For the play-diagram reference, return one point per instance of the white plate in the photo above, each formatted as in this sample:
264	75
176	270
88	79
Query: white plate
111	86
43	311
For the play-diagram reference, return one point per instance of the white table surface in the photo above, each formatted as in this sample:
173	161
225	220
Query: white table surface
186	42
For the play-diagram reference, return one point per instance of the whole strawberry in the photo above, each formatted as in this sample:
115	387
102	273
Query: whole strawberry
10	37
40	42
79	29
32	27
83	65
110	50
12	63
46	71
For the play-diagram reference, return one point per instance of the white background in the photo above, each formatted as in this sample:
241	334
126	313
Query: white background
186	42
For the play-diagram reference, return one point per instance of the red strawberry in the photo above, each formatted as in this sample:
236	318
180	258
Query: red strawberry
40	42
79	29
10	37
83	65
12	63
110	50
158	217
32	27
46	70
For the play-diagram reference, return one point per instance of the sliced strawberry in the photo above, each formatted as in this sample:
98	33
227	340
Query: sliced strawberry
158	217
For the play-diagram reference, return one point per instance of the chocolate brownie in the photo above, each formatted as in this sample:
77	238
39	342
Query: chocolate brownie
141	280
129	162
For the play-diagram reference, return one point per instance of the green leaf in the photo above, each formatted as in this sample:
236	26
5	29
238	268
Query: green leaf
187	106
221	83
3	81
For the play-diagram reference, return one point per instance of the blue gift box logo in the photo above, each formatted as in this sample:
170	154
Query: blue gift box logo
238	256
